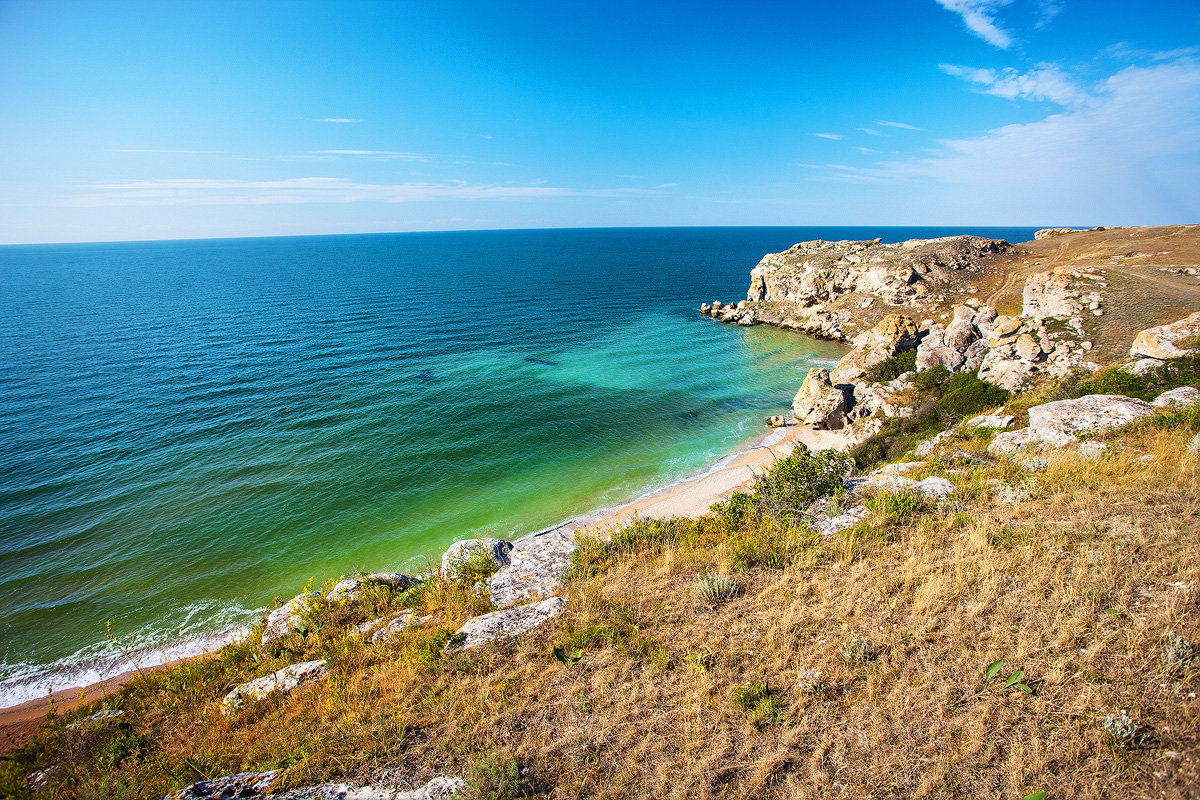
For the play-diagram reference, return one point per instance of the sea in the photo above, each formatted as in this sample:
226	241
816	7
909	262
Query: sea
193	430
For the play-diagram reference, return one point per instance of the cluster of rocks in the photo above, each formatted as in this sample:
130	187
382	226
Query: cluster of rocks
256	785
280	682
737	313
1154	345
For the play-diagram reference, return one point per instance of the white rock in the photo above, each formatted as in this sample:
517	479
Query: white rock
439	787
349	589
1092	449
279	682
819	403
406	620
507	623
1183	397
1193	448
288	616
927	447
996	421
847	519
1058	424
462	551
935	487
1163	341
535	567
1145	366
244	784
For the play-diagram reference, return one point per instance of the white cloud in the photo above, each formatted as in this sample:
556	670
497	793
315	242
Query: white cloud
372	153
208	191
1047	82
901	125
340	120
156	150
980	18
866	150
869	131
1132	149
834	136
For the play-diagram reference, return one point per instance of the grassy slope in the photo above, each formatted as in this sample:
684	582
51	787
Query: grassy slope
1079	586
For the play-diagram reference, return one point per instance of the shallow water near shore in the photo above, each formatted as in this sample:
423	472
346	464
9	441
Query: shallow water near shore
190	430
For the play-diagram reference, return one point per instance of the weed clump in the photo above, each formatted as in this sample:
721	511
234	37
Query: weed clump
764	705
859	651
1178	651
1121	728
713	587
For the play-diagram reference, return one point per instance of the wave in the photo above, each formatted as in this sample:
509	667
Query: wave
201	628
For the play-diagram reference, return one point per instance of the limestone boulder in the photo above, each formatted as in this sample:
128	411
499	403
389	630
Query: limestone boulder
1059	424
535	567
1168	341
288	617
349	589
819	403
402	622
280	682
242	785
1183	397
506	624
495	550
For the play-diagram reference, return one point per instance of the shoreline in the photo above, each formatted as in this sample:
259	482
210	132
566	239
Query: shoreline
687	497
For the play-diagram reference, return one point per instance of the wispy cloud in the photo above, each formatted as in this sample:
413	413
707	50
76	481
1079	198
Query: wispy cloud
1135	143
666	186
865	150
164	150
1047	82
372	154
209	191
834	136
901	125
980	18
340	120
869	131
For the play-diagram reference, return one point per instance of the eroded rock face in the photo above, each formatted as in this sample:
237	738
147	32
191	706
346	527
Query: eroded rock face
350	589
496	549
1168	341
959	345
891	336
1060	293
816	272
819	403
536	566
288	616
1059	424
282	681
507	623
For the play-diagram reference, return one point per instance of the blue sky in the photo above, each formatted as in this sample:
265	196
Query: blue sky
131	120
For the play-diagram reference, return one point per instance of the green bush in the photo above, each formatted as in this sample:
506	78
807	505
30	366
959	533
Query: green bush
789	487
964	394
891	368
931	378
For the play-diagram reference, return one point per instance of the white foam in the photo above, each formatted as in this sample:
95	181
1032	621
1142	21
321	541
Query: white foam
199	633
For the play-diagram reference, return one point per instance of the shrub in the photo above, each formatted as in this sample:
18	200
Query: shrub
788	488
931	378
499	777
763	704
964	394
898	505
891	368
715	587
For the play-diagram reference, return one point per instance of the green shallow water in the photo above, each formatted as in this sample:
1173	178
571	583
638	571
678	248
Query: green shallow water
189	430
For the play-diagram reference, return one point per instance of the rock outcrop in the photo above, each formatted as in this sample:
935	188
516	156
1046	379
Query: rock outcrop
254	785
282	681
1168	341
961	344
349	589
535	567
506	623
819	403
243	785
814	273
891	336
401	622
288	616
1183	397
1059	424
496	550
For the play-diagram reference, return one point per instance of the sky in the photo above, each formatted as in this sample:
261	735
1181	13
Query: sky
152	120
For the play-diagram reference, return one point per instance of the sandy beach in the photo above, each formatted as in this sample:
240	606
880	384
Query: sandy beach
688	498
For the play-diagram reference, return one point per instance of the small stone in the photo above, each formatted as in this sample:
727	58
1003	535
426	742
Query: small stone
406	620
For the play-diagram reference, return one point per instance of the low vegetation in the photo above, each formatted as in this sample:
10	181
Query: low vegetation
961	649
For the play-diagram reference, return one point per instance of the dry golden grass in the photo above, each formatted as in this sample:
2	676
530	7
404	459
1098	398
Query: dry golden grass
1078	586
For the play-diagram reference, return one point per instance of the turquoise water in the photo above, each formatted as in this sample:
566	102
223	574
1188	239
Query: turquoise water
189	430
